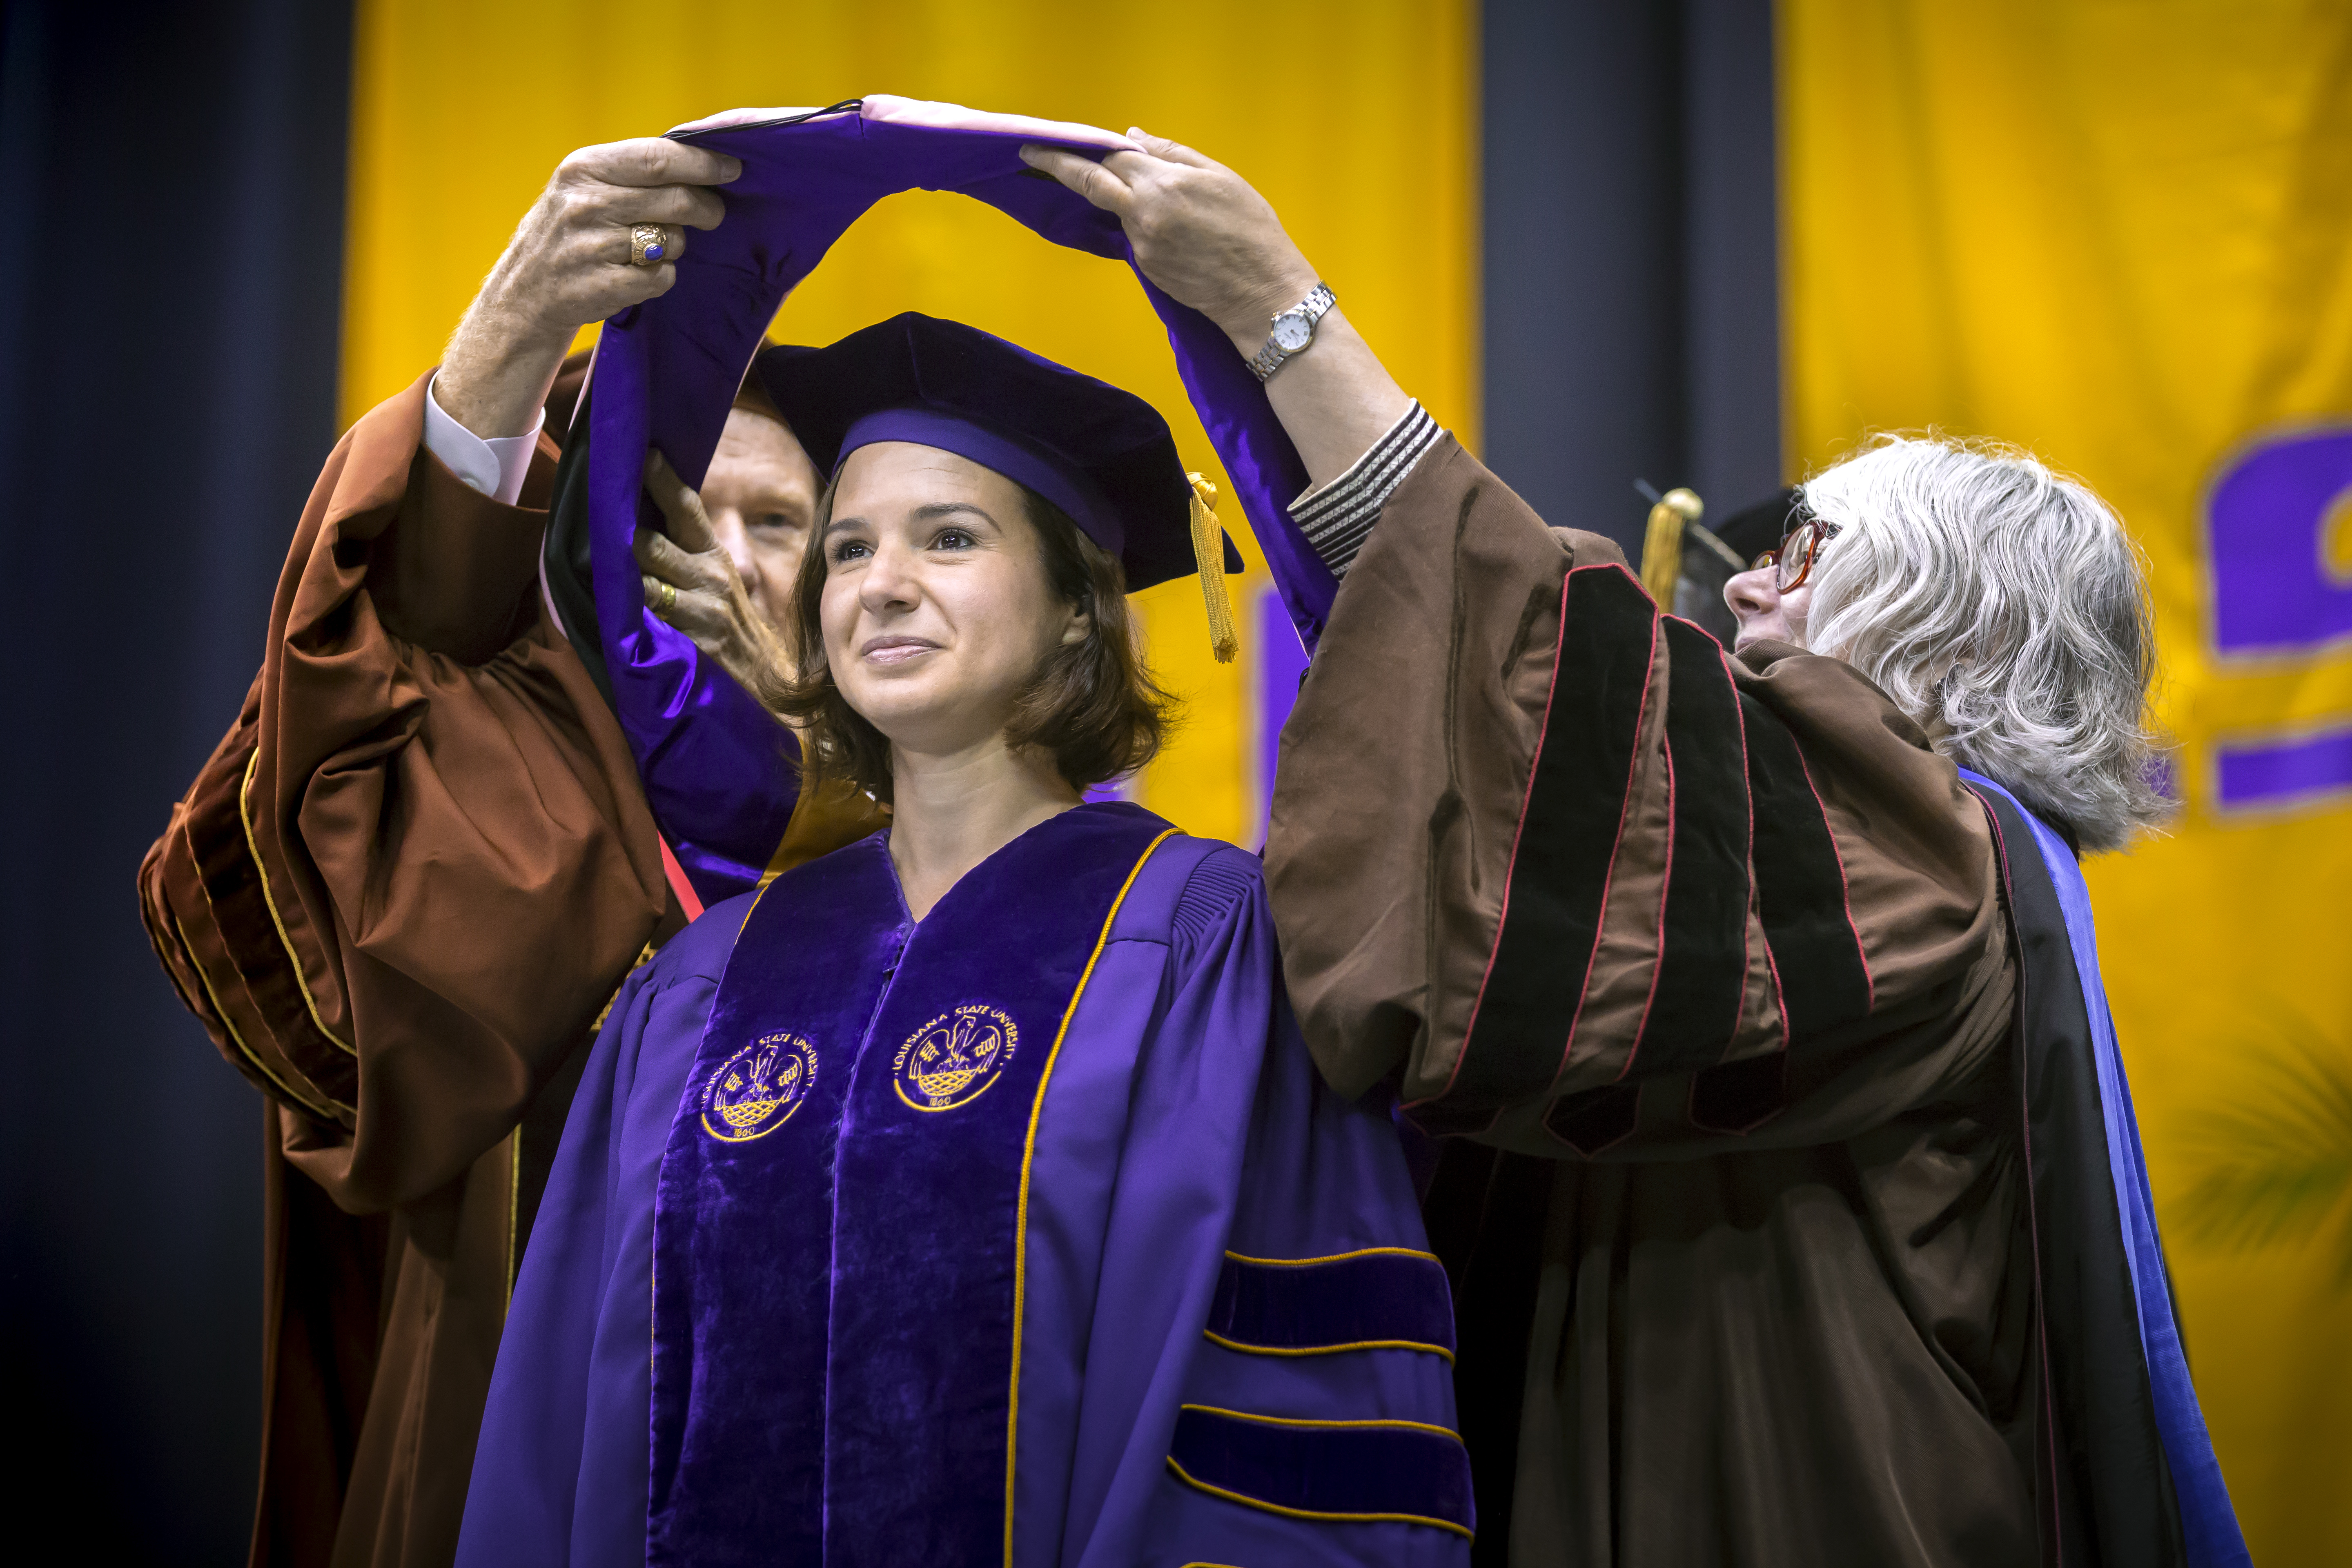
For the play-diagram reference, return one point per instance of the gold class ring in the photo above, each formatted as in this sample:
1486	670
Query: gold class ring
648	245
670	597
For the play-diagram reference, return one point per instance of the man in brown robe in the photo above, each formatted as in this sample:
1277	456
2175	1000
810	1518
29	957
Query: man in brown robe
414	871
1701	963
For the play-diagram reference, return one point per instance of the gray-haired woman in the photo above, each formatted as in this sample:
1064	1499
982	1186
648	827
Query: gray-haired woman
1999	605
1786	1173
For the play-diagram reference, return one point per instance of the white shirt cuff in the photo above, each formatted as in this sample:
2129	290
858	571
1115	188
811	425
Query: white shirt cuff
495	468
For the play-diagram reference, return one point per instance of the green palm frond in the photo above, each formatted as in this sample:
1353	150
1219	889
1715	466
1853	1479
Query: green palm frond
2275	1162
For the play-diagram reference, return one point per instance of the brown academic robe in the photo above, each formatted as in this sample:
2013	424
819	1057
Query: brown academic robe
398	896
1704	957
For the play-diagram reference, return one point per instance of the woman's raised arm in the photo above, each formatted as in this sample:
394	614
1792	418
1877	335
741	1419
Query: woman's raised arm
1211	242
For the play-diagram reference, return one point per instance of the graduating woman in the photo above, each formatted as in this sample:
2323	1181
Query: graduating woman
968	1194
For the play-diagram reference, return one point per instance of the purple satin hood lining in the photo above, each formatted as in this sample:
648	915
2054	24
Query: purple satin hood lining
994	449
832	1332
667	371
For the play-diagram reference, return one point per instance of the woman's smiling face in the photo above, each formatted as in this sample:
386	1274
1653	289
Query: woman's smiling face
937	610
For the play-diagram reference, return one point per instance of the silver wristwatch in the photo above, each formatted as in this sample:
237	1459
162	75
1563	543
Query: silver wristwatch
1293	330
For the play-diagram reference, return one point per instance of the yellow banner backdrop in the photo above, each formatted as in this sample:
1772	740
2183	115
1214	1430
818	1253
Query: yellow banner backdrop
1356	120
2116	234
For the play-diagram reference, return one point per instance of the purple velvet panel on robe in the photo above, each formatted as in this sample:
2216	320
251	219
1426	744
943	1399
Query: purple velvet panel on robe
667	371
1182	1118
860	1420
742	1221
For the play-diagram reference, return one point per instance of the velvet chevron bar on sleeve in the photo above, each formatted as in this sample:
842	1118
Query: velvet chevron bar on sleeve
1819	962
1617	884
1631	898
1696	990
1338	1471
1558	877
1382	1298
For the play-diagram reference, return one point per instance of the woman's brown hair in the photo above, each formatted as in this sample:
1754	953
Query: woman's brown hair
1092	705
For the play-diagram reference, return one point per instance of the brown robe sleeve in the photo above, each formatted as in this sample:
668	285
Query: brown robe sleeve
1577	881
396	896
420	863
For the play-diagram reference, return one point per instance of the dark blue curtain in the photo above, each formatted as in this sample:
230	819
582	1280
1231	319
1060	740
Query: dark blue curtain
1632	286
175	181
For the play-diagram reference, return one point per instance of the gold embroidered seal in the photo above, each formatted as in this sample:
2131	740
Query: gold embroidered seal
952	1059
757	1089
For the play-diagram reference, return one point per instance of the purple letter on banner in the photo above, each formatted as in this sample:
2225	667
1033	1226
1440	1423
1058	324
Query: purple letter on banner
2272	592
2285	773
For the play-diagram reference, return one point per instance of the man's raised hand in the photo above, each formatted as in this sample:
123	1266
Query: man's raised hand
690	582
568	265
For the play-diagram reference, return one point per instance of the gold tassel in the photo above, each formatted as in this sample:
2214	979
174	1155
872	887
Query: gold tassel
1662	546
1209	555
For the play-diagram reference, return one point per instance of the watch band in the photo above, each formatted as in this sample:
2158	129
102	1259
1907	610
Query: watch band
1270	358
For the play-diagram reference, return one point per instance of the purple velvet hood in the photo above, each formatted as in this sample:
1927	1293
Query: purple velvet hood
716	768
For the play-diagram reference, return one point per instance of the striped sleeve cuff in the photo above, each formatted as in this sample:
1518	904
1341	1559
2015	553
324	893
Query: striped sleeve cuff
1338	518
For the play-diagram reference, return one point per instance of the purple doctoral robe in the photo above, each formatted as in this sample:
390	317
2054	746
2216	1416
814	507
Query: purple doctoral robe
1027	1233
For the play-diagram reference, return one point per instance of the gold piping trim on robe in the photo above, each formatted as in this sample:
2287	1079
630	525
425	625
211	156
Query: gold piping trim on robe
514	1209
1335	1257
244	816
1217	1339
1251	1415
1199	1485
1021	1214
313	1106
775	867
818	798
1256	1419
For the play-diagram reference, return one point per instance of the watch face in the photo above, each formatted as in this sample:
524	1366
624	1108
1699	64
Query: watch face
1292	331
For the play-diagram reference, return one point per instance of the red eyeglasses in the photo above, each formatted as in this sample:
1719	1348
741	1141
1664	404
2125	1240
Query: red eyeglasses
1800	547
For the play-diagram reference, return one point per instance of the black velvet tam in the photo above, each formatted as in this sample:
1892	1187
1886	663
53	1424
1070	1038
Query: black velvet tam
1755	529
1104	456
